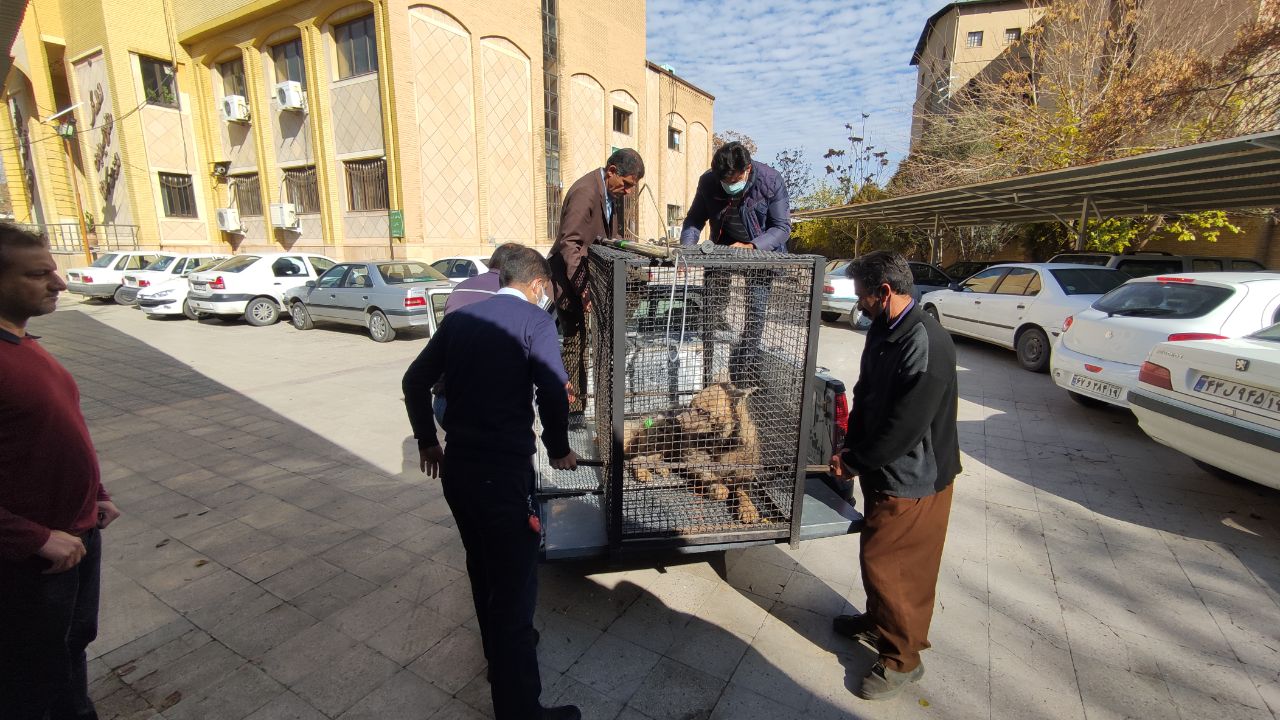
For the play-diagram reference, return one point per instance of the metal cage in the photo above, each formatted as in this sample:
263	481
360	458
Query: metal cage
700	365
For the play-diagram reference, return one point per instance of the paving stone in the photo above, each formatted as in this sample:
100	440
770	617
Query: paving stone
614	667
404	696
454	661
674	691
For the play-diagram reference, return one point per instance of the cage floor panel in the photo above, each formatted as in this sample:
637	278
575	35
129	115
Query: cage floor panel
585	478
664	511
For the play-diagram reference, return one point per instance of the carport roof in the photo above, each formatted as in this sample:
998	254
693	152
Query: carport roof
1234	174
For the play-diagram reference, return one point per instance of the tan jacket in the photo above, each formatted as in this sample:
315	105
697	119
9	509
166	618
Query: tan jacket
581	222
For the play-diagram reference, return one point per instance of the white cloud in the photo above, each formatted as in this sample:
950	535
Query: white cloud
792	74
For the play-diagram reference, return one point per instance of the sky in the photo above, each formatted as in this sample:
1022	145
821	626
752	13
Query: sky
791	74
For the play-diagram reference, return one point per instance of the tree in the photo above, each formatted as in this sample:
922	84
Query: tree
721	139
797	174
859	169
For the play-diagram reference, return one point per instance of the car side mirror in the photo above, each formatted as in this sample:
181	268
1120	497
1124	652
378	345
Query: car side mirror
311	283
955	287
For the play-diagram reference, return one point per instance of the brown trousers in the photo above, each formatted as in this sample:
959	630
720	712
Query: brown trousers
901	553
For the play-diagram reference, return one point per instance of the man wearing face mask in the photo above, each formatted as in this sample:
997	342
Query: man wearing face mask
592	209
746	203
902	443
496	356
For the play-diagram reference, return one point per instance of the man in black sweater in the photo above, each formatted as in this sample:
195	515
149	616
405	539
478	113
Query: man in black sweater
902	443
492	355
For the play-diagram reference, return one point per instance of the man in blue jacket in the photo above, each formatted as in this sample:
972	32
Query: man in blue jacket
493	355
747	205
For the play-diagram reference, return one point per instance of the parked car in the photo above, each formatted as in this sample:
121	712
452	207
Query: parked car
840	300
1217	401
962	269
1020	306
171	296
165	268
104	277
1144	264
1100	353
833	264
461	267
253	286
383	296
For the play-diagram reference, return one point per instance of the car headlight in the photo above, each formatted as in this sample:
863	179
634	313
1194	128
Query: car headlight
161	294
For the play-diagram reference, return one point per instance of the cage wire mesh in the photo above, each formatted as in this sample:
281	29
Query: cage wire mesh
701	360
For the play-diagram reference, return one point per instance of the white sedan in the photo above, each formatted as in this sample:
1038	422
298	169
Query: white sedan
164	269
1098	357
1217	401
461	267
254	286
170	297
1021	306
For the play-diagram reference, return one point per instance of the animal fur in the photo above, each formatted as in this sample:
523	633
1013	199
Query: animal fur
713	444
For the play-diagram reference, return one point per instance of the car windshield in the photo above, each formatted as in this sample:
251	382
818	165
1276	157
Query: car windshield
839	270
1271	334
238	263
104	261
211	264
162	263
399	273
1174	300
1088	281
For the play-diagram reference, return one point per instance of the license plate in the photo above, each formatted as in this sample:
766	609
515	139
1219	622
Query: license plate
1268	400
74	277
1097	387
130	282
199	286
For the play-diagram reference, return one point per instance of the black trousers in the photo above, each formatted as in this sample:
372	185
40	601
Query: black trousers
46	622
491	509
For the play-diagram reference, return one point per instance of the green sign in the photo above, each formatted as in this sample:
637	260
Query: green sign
395	219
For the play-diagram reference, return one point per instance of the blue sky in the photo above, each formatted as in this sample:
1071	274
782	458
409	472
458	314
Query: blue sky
791	74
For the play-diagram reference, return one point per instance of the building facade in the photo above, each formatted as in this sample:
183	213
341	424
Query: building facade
355	129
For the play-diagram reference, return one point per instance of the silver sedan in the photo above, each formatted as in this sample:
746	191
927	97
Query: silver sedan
381	295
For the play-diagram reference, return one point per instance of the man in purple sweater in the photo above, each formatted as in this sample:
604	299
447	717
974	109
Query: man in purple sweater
482	286
52	504
493	355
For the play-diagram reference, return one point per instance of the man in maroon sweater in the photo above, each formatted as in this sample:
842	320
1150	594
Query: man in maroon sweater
52	504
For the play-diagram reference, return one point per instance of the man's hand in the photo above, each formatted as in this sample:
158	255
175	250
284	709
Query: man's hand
568	462
573	396
744	246
107	513
840	470
430	459
62	549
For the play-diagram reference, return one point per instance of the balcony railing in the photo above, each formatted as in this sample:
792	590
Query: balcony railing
64	238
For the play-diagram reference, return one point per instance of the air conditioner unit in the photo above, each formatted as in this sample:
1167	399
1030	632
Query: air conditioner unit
235	108
289	95
284	215
229	220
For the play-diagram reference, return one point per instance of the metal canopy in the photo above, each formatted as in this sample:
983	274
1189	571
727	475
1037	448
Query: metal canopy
1234	174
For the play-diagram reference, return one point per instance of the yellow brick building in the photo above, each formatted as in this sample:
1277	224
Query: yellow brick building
356	129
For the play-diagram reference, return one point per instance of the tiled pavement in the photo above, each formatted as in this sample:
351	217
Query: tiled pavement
281	558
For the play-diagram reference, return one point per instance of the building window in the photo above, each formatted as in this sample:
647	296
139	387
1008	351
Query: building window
367	184
287	57
158	82
178	194
974	39
621	121
357	48
1012	35
551	113
301	189
674	215
248	194
673	139
232	72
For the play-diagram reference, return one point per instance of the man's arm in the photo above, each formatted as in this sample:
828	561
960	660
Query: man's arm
578	224
907	422
777	225
697	216
549	378
20	538
418	380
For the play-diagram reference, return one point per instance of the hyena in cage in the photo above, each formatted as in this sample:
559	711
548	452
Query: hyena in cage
713	443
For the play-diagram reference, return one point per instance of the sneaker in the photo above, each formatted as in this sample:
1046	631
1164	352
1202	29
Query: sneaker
859	628
882	683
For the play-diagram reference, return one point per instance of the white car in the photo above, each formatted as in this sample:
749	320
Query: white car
1021	306
461	267
1101	350
840	299
253	285
104	278
164	269
170	297
1217	401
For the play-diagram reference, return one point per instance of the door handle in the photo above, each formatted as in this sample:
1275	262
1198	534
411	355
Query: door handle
1022	307
977	302
364	297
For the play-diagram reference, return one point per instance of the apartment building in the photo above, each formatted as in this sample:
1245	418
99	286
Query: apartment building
357	129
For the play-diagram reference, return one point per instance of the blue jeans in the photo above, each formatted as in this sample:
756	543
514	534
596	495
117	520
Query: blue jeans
46	622
438	404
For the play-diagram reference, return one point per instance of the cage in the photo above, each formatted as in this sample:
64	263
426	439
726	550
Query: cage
699	369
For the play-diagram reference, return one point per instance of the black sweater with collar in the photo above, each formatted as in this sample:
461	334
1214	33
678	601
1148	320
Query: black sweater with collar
902	438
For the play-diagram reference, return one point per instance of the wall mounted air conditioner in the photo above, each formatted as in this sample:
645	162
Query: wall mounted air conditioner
234	108
229	220
289	95
284	215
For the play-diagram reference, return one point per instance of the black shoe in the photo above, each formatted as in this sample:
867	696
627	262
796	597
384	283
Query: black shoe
564	712
859	628
882	683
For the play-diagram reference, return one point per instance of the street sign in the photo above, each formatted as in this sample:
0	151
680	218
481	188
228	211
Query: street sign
395	219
